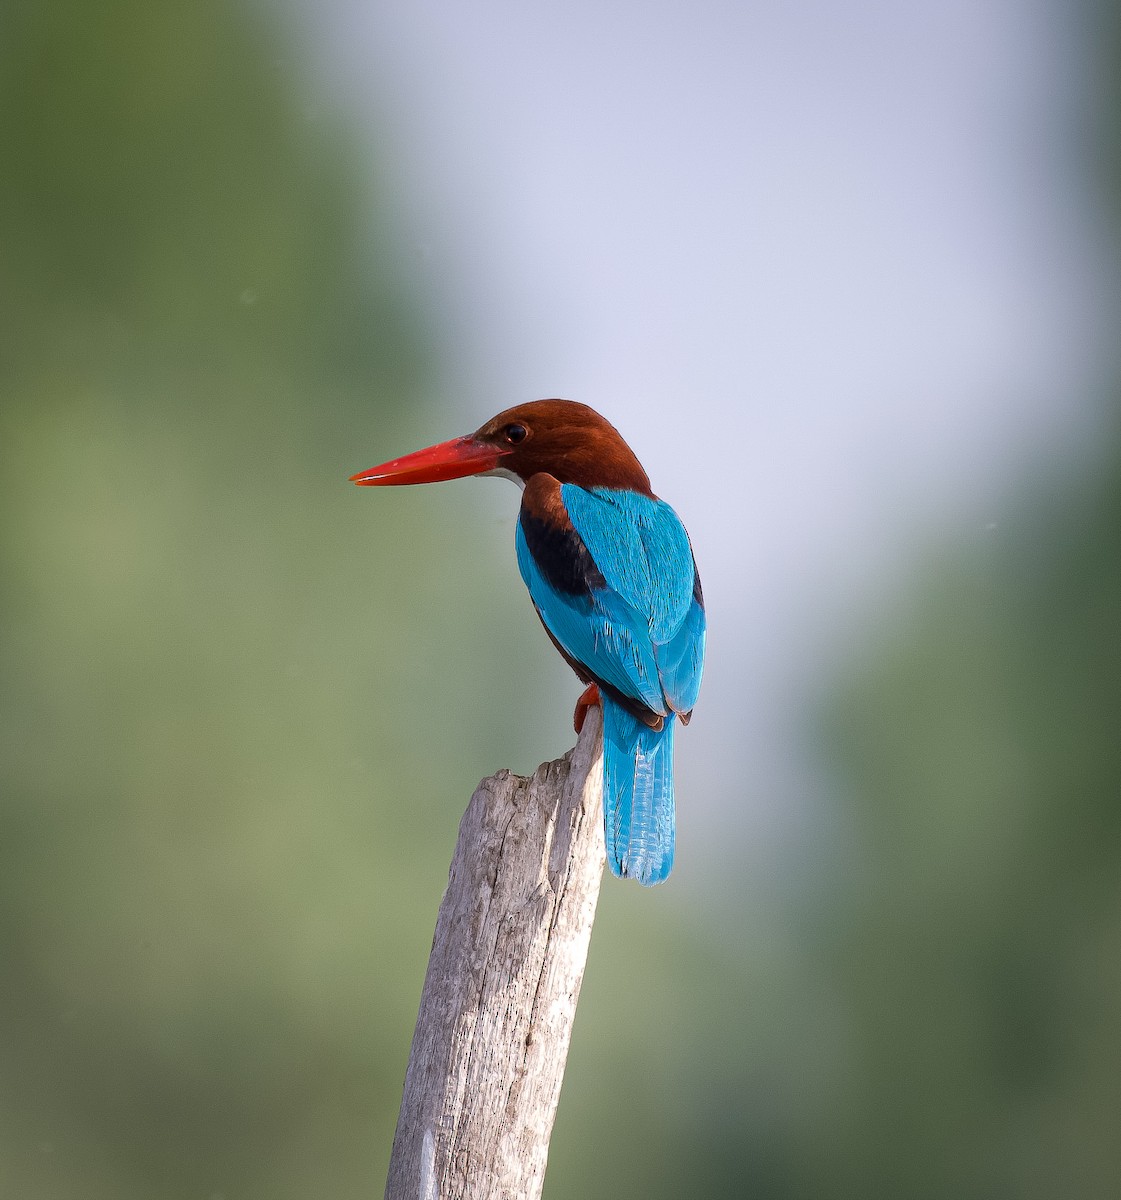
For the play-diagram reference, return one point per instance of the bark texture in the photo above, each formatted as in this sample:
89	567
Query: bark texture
503	979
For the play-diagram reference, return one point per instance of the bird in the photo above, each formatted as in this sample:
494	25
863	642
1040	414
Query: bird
611	572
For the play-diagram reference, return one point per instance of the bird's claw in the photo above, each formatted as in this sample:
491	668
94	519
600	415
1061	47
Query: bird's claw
589	699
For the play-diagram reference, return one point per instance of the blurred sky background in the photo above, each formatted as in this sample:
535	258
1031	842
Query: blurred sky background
834	270
846	279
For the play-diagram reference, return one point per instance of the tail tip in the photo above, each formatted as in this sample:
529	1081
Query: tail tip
647	870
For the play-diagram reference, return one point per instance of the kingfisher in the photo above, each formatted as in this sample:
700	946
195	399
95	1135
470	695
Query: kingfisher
611	573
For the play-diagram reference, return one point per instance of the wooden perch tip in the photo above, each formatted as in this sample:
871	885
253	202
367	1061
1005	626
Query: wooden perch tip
503	980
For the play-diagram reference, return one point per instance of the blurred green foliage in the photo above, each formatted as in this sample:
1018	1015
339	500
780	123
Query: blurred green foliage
233	758
974	952
230	778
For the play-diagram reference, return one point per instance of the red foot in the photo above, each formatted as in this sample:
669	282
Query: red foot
589	699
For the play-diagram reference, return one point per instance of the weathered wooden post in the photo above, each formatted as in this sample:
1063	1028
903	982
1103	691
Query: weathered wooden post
503	979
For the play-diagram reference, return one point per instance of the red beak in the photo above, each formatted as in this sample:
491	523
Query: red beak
449	460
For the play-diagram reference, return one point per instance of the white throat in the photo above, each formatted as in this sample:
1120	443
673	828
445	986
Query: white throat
505	473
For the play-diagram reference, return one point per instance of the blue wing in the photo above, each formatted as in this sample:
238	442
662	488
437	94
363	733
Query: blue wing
598	629
643	553
612	576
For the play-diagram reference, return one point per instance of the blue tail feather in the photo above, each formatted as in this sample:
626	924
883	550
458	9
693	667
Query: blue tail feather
637	795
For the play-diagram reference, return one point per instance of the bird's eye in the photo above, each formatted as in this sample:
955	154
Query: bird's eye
515	434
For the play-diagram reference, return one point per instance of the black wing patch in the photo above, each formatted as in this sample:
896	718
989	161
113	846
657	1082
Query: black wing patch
560	555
